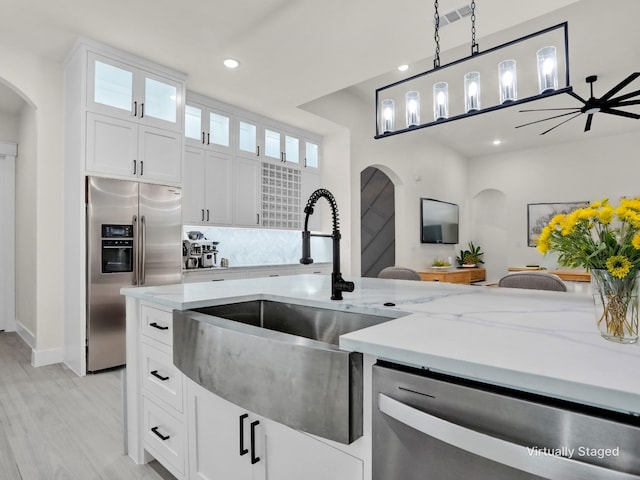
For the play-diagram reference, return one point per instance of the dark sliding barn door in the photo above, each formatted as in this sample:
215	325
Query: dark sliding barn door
377	222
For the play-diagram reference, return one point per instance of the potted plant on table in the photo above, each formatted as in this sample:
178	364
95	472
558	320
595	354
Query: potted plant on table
471	257
605	240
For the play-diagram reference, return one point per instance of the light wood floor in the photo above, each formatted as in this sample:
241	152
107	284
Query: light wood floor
55	425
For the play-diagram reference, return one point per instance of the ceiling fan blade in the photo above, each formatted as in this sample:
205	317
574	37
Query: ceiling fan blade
561	123
620	86
550	118
575	95
620	113
624	97
575	109
587	126
625	104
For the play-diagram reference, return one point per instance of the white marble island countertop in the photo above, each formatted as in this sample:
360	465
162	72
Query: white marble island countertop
540	342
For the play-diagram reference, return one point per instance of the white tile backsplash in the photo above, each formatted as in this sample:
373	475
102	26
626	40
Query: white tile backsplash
246	247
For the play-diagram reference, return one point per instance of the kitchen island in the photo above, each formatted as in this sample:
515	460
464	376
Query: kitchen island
541	342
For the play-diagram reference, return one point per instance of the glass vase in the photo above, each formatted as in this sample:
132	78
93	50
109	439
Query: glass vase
616	305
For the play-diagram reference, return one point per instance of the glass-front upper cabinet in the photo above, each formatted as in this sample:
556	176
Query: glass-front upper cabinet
124	91
207	127
281	146
248	137
311	155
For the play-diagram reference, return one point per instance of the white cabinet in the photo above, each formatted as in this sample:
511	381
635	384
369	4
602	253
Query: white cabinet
281	146
228	442
246	192
130	92
126	149
207	126
207	178
163	391
311	154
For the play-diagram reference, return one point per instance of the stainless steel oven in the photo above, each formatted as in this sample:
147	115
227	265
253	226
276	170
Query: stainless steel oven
117	248
429	426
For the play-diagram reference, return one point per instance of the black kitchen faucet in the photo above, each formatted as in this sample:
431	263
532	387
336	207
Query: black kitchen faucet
338	284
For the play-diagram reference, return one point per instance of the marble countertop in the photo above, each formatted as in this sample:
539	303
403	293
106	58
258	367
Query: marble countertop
541	342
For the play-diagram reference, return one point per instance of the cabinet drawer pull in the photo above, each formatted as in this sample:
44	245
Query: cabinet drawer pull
159	327
254	458
134	167
158	376
202	210
162	437
243	451
207	214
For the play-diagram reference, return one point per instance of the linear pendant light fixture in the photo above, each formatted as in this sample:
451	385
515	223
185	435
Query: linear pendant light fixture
497	78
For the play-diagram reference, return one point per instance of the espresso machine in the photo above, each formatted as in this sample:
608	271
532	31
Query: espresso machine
198	251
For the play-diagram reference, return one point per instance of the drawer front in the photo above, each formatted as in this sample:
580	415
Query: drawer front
432	277
462	277
478	275
157	324
165	437
160	377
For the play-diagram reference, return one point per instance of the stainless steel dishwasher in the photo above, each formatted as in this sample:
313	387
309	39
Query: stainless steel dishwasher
430	426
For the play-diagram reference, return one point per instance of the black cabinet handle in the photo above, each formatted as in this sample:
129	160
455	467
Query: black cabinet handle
208	139
134	167
158	376
203	138
141	109
159	327
254	459
135	109
162	437
258	151
243	451
141	167
207	214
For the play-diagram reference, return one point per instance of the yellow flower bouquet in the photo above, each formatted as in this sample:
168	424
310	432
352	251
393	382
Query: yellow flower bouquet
604	239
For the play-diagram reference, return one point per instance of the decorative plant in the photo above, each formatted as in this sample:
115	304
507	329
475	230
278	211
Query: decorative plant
440	263
472	256
606	241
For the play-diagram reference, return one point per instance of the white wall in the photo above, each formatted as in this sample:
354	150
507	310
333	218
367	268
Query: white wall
39	187
582	171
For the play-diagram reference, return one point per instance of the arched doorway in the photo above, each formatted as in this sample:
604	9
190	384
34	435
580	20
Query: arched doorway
377	222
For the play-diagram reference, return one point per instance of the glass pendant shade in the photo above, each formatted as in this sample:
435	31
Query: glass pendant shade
508	80
471	92
440	101
547	69
387	113
412	100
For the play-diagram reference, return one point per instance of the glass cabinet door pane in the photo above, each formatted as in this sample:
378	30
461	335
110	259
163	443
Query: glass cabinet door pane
292	149
113	86
160	100
219	129
193	122
248	141
271	143
311	155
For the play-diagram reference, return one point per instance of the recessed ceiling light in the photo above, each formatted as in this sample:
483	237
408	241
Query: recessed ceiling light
403	68
497	142
231	63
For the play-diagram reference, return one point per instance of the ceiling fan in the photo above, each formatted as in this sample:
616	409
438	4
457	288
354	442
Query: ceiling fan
605	104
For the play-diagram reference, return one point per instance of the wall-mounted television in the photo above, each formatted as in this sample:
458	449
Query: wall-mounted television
439	221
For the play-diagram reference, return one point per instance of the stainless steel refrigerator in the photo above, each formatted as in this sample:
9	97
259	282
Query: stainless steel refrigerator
133	238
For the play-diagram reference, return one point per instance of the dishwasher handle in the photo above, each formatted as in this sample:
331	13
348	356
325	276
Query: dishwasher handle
497	450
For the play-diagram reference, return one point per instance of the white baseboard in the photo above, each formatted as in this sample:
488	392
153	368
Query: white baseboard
39	358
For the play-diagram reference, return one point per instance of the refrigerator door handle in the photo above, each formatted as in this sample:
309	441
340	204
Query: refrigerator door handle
134	260
143	248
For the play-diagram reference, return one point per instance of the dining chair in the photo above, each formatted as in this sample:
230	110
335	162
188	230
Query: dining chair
399	273
533	280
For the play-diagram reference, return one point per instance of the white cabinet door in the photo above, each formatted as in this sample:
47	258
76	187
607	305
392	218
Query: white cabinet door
193	186
207	197
160	154
246	192
125	91
111	146
126	149
293	455
220	438
218	177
